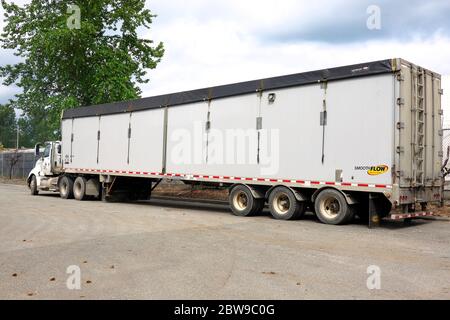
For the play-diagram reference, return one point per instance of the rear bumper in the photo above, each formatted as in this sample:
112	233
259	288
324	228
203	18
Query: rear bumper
405	196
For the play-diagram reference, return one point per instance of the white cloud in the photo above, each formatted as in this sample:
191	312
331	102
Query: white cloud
206	50
216	42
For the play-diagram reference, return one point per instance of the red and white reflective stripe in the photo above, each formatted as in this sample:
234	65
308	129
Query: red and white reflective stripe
231	178
411	215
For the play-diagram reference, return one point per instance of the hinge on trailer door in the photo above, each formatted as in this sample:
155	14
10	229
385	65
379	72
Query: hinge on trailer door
441	112
71	137
129	132
400	125
400	101
441	91
400	77
400	149
440	154
259	123
98	135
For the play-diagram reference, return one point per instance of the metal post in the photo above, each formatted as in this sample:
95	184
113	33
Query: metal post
17	138
23	165
374	218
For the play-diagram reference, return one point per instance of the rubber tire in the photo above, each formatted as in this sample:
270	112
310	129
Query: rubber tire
296	210
68	182
79	188
33	186
345	214
254	206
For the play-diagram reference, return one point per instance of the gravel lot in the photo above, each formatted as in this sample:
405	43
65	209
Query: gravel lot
166	250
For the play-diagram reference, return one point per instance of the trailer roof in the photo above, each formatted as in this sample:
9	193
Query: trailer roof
180	98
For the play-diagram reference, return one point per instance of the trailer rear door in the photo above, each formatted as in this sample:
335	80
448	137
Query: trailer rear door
419	127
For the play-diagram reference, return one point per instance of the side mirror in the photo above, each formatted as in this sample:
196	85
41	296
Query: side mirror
37	152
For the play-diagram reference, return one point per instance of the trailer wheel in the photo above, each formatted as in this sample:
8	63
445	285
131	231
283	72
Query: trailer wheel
66	187
332	208
33	186
284	206
79	188
243	203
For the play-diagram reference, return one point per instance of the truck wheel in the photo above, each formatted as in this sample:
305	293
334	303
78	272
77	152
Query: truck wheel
243	203
33	186
332	208
284	206
66	187
79	188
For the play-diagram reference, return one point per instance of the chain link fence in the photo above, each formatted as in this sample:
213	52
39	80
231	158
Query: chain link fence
16	164
445	146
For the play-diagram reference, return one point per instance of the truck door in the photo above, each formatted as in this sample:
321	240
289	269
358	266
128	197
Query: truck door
46	166
57	158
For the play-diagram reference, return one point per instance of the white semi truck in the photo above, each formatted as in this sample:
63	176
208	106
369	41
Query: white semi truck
359	139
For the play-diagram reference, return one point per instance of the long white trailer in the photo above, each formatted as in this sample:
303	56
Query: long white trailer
343	141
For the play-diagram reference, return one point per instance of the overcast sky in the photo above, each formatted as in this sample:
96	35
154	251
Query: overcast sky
211	42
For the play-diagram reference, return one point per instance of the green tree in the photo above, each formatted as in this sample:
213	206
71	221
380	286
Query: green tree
30	132
7	126
75	56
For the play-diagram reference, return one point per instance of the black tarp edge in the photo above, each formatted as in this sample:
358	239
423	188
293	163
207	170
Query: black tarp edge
235	89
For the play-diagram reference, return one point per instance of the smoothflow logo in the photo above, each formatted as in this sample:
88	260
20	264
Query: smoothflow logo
373	170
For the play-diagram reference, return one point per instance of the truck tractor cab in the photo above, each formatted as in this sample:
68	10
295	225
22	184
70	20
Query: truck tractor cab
45	174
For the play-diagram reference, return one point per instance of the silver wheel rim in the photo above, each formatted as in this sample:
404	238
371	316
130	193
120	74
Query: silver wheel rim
240	201
63	188
330	207
281	203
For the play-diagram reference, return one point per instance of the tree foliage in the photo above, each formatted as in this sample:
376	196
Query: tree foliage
104	60
7	126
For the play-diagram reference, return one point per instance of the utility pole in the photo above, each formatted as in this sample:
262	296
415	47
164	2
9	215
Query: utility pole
17	138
